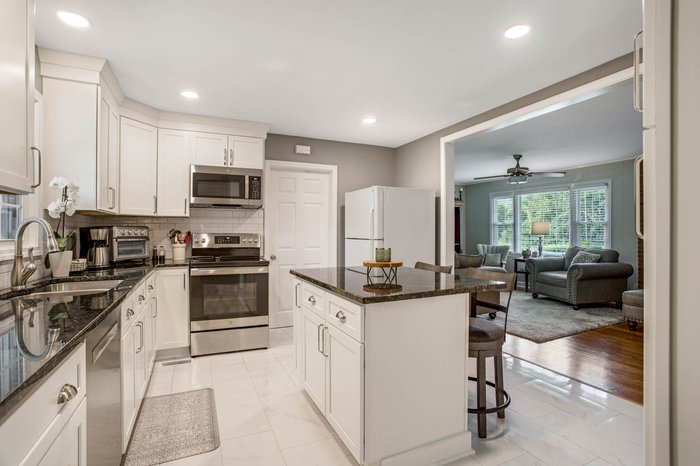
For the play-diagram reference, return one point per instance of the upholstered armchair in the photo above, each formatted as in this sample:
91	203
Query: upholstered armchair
577	284
484	249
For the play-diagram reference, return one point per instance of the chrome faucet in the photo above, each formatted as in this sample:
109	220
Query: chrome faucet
21	272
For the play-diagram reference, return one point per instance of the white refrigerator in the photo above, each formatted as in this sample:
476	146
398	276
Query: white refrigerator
402	219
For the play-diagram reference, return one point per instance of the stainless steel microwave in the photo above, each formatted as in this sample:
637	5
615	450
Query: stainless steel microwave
225	187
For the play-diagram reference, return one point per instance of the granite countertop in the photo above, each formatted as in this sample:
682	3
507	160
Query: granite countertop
352	283
72	316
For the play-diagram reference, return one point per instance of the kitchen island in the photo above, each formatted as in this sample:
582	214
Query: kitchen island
386	362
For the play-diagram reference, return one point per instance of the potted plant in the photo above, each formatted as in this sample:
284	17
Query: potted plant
66	204
527	253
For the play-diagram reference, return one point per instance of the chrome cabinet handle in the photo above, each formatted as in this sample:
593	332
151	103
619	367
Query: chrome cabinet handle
142	298
318	338
636	80
39	160
113	204
638	196
225	157
140	325
155	205
296	294
185	211
155	306
273	257
312	300
150	287
340	315
323	340
230	157
129	312
67	393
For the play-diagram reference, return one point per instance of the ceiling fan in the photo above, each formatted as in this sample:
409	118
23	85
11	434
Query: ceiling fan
520	175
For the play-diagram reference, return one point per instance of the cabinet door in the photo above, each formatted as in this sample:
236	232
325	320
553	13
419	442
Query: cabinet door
140	369
298	326
138	160
107	157
70	447
314	372
128	392
246	152
173	172
344	401
173	319
17	96
210	149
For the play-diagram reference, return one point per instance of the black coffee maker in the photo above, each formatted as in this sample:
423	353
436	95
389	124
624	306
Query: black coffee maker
94	246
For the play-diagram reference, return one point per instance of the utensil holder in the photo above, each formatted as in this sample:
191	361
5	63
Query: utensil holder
179	252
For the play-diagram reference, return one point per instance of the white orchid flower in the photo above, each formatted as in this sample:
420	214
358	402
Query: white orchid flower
58	182
70	208
73	187
55	209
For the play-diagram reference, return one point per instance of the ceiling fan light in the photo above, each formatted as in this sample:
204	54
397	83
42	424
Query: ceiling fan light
522	179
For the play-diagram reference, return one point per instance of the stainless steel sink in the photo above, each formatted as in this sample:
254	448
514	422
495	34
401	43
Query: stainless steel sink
73	288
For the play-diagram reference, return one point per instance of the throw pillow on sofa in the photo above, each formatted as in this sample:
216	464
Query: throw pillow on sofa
465	261
492	260
583	257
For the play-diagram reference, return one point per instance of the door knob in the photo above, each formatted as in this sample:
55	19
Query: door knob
273	257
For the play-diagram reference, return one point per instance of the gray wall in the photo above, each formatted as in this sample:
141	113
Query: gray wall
359	166
418	162
476	211
685	255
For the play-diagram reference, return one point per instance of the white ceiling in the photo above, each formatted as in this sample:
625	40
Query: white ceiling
315	68
599	130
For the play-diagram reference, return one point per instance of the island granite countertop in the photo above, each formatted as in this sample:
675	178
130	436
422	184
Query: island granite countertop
74	316
352	283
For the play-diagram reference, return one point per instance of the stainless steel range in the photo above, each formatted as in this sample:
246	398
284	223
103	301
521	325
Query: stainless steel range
228	293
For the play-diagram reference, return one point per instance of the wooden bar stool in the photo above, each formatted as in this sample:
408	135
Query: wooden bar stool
486	340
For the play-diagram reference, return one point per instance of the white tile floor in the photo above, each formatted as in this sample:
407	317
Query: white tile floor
266	420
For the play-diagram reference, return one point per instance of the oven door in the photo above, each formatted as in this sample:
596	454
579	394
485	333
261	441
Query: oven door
128	249
228	297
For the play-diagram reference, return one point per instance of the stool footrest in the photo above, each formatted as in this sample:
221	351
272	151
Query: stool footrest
495	409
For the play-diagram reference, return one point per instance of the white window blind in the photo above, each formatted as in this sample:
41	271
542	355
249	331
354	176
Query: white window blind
10	215
591	218
502	225
551	206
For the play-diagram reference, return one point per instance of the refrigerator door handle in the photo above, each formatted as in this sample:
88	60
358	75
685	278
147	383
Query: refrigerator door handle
371	234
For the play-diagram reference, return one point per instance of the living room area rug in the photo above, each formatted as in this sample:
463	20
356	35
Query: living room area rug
545	319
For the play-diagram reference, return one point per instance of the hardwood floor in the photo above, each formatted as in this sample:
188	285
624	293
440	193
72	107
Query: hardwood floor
609	358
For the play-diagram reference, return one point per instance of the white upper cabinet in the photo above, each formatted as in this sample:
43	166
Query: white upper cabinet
137	168
210	149
108	156
17	97
246	152
173	172
228	151
81	142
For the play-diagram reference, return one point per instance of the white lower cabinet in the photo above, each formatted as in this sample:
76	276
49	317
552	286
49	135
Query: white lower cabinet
332	372
314	376
345	388
70	447
43	432
173	308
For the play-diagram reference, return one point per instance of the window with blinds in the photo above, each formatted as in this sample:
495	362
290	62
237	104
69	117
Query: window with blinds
502	224
10	215
591	219
551	206
577	215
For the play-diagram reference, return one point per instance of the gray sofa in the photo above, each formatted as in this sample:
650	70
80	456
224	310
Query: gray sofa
578	284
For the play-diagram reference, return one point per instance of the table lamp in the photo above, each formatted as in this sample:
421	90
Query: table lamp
540	229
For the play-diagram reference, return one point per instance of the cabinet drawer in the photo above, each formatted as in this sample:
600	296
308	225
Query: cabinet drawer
313	298
41	417
345	316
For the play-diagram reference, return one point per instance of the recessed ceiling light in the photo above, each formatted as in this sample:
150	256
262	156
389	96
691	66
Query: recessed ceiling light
370	120
189	95
73	19
517	32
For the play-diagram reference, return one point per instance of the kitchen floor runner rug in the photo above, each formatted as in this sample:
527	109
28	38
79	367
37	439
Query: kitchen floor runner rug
174	426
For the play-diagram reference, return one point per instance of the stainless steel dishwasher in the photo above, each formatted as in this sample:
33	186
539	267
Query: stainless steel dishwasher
104	392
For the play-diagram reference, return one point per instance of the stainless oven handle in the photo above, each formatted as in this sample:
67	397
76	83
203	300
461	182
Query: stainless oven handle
227	271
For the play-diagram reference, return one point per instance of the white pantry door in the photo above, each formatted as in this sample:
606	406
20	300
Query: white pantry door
300	228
